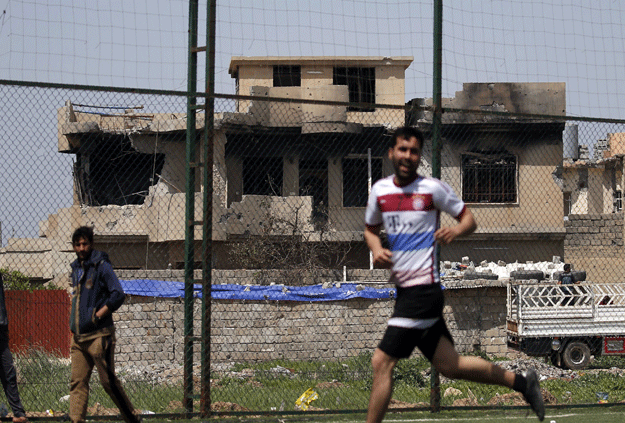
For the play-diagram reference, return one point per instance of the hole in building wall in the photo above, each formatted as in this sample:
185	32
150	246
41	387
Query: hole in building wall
110	171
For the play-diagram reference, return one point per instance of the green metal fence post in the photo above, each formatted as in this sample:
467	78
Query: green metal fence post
435	392
207	202
189	251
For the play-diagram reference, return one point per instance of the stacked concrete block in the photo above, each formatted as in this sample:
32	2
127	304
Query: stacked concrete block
599	230
151	330
146	330
601	146
594	243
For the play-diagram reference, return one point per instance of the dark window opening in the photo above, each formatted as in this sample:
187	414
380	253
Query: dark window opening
618	201
489	178
582	182
566	196
287	76
360	85
262	176
313	181
356	182
116	174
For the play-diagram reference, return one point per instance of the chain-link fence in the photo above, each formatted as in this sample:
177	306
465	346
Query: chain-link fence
296	305
541	201
77	157
295	302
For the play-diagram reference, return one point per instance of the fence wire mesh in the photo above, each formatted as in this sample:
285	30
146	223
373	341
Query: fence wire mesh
295	303
296	307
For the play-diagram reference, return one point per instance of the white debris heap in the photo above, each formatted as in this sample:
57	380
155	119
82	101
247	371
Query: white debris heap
500	270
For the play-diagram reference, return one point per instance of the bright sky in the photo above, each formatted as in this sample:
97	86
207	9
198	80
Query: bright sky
143	43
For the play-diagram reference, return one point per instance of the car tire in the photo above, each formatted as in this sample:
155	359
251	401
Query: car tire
472	275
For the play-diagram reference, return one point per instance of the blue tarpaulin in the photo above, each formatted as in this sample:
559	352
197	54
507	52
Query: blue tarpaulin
154	288
169	289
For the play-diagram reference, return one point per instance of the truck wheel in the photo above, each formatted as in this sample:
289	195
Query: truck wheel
576	355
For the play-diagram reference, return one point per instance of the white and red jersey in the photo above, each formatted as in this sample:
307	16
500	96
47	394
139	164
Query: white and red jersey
410	215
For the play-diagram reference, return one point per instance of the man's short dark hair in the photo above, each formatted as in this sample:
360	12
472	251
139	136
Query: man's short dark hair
407	132
567	267
83	232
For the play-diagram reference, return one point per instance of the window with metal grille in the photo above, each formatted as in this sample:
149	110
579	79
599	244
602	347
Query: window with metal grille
360	85
355	179
489	177
287	76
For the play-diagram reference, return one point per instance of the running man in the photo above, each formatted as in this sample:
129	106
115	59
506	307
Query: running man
408	205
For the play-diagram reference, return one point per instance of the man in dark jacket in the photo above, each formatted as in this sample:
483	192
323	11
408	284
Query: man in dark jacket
8	376
96	294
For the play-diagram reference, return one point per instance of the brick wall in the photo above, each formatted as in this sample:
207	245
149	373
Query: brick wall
599	231
475	312
151	329
594	243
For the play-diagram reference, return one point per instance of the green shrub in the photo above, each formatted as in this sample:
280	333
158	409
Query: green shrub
410	372
16	280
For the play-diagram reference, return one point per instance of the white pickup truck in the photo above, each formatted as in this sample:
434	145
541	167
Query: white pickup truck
567	323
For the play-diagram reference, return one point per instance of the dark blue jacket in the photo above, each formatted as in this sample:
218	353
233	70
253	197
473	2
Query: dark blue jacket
94	285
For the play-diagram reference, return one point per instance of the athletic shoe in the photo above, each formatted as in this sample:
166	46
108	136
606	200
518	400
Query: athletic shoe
533	396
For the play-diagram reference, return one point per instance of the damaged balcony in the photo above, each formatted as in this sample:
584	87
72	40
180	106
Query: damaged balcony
113	172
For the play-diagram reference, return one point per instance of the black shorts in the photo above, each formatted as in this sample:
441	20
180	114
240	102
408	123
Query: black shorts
399	342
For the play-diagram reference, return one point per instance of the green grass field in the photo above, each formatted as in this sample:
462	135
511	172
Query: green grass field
600	414
270	389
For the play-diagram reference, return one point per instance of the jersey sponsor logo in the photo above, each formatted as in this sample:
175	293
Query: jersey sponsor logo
392	223
396	223
405	202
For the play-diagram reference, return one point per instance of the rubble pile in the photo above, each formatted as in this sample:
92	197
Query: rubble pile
501	270
168	374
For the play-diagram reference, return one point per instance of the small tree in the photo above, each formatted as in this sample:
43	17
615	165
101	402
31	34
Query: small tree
285	251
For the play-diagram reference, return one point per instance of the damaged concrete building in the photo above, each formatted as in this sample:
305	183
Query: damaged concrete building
285	168
592	185
284	163
592	188
502	167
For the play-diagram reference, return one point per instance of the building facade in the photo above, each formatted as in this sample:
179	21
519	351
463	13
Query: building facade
293	159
